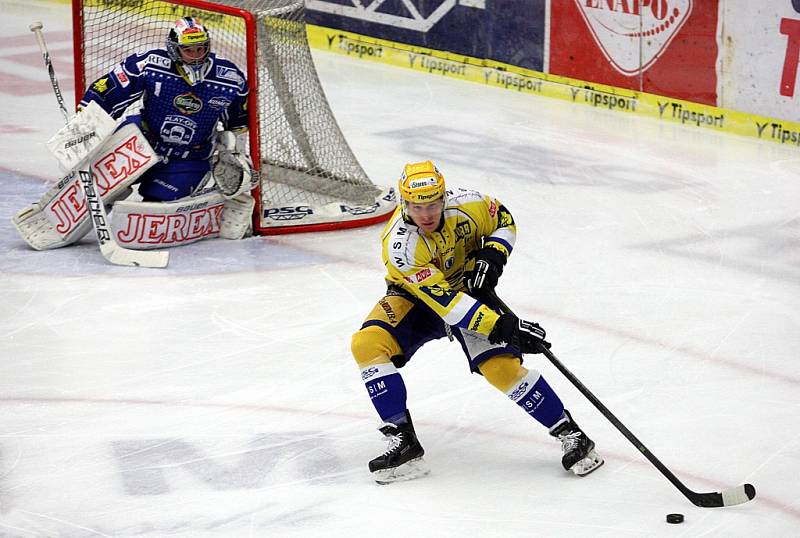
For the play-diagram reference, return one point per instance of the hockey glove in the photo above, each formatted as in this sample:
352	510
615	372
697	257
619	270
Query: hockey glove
233	173
232	169
488	268
526	336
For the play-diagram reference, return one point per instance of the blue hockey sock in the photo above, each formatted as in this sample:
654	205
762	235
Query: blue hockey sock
387	391
535	397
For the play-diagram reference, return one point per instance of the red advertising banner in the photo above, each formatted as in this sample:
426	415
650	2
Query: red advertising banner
664	47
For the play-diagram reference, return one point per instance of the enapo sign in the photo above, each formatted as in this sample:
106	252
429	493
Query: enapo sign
663	47
632	35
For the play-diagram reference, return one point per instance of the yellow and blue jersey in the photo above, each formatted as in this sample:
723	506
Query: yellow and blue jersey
432	266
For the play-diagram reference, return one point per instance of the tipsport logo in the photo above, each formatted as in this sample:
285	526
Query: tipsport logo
409	17
633	34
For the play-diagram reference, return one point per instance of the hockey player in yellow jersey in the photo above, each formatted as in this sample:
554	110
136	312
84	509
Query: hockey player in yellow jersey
444	251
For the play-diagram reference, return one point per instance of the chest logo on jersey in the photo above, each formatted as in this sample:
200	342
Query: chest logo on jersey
219	102
154	59
462	230
419	276
178	129
188	103
448	263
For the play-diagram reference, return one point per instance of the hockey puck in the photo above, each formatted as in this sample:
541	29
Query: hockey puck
674	518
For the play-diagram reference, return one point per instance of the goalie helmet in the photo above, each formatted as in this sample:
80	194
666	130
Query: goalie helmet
421	183
188	44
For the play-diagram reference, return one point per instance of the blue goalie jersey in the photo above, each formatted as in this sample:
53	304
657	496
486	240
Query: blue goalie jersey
178	119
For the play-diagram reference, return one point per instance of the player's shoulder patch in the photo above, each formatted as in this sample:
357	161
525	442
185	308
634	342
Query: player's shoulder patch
465	201
470	204
121	76
227	71
103	85
460	197
157	59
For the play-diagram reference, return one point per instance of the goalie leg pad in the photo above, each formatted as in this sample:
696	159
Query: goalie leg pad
46	224
60	217
150	225
237	217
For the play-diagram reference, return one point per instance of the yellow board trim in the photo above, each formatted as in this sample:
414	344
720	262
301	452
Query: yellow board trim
510	77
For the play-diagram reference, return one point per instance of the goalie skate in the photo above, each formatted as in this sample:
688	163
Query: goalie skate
403	457
579	454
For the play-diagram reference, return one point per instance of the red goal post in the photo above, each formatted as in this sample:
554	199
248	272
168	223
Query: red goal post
310	178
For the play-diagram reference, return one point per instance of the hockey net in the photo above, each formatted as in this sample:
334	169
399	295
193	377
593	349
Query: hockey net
309	178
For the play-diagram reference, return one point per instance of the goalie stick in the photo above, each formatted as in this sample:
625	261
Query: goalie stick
110	249
729	497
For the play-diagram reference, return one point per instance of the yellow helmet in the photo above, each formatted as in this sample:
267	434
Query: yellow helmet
421	183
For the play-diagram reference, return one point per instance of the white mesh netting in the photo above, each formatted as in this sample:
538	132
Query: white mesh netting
305	161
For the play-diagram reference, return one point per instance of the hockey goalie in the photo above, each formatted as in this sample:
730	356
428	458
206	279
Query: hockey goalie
164	136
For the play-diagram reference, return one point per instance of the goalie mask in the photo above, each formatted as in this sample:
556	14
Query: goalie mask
421	183
189	45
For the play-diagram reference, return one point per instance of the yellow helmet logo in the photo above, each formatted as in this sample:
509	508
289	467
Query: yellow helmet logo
421	183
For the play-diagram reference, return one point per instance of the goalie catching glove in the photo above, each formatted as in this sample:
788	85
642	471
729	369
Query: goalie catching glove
232	169
526	336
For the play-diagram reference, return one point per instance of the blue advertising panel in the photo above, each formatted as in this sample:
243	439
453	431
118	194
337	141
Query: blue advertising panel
508	31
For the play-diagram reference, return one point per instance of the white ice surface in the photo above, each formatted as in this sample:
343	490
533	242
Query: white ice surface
218	397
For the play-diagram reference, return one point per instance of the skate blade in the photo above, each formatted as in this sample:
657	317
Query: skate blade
588	464
416	468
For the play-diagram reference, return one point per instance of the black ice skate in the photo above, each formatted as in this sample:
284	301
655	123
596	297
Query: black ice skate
403	458
579	455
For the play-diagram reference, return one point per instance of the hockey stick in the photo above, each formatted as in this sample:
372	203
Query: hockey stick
110	249
36	28
729	497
